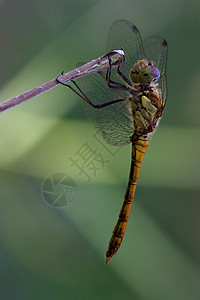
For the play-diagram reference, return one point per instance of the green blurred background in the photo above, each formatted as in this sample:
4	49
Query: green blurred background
51	253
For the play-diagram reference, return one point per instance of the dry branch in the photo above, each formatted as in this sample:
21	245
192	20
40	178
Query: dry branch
97	65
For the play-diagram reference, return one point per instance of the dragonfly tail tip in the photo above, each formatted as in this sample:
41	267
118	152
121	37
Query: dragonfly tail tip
108	259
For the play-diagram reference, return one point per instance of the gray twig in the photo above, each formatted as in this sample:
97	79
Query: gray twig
96	65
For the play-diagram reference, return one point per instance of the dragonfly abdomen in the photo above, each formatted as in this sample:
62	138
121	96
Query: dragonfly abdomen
138	149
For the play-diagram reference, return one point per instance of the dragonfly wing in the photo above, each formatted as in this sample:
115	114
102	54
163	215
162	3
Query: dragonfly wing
114	122
156	49
124	35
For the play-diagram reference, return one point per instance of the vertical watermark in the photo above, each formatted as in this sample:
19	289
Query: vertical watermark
90	160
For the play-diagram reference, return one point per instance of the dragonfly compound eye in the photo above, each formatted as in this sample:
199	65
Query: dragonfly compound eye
147	75
144	72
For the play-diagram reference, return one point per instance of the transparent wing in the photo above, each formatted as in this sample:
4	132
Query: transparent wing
156	49
114	122
124	35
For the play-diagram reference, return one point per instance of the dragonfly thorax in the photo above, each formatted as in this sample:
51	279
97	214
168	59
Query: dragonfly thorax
144	72
146	103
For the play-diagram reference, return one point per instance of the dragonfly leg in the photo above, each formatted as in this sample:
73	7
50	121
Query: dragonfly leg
97	106
121	74
111	83
82	95
85	98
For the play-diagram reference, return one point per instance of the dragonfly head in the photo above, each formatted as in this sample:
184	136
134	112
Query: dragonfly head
144	72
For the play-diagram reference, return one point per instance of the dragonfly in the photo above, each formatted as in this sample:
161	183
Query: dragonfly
126	104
